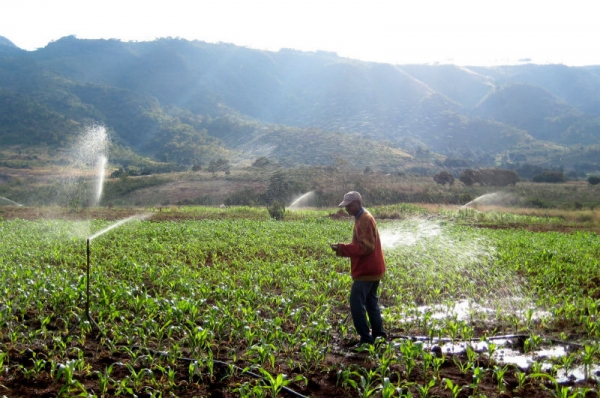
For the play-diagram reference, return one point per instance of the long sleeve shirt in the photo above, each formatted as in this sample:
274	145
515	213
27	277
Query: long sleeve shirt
366	256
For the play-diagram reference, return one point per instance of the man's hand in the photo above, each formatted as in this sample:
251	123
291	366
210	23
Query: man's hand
334	247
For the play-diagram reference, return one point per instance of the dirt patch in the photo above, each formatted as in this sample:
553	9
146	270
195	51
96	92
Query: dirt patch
61	213
226	377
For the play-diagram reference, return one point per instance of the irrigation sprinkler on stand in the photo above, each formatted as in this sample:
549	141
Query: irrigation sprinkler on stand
87	288
154	352
89	239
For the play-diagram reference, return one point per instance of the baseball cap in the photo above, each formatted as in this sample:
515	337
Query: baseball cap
350	197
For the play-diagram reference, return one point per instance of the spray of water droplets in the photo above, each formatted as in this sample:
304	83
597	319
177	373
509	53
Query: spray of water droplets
84	179
303	201
440	267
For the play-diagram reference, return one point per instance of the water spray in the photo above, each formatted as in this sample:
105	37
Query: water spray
11	201
88	157
89	239
100	183
490	199
187	360
304	200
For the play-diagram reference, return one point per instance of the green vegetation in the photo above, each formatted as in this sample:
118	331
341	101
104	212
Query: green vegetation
276	210
189	103
237	293
260	186
244	298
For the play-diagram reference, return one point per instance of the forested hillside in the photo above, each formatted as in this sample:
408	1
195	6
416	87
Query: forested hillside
190	102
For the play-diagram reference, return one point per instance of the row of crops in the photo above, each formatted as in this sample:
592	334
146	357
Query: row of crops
240	307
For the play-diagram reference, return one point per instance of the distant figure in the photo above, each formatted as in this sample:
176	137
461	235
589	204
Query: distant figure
367	268
222	206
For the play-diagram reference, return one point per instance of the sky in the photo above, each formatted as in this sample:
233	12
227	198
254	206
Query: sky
460	32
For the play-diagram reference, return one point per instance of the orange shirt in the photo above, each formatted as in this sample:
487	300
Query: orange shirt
366	257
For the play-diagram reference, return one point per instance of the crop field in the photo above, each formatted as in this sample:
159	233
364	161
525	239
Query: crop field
230	303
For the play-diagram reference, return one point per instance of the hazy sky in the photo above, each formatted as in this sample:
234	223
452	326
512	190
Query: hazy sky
463	32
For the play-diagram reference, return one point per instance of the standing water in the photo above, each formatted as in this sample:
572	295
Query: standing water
462	261
305	200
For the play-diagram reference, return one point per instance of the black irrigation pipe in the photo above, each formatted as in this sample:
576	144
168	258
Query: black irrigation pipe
391	337
288	390
501	337
217	362
222	364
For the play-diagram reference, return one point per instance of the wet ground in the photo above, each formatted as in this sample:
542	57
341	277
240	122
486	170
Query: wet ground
509	354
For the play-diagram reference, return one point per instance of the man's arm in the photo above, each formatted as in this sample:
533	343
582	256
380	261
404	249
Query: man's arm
365	235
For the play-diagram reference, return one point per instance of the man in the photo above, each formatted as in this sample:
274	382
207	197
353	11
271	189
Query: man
367	269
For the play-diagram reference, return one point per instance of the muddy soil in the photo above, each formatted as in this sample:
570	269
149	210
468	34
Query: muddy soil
222	383
323	383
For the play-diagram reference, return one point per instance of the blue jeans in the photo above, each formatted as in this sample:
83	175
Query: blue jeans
363	301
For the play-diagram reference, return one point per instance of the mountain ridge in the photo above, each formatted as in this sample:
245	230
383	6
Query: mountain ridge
169	93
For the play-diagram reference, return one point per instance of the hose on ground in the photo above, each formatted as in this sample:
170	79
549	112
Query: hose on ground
223	364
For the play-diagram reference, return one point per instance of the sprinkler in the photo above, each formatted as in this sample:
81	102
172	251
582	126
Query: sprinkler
105	230
87	301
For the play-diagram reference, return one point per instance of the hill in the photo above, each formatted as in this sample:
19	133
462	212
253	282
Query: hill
190	102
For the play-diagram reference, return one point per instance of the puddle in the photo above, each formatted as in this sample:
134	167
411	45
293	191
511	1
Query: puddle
504	354
467	310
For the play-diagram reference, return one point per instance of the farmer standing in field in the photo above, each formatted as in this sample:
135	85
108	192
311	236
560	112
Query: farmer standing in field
367	269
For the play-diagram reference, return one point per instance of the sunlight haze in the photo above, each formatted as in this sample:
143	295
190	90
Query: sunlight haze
463	32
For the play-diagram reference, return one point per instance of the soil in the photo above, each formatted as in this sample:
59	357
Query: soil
320	383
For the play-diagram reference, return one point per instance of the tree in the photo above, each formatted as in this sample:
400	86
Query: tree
443	178
469	177
277	210
593	180
218	165
261	162
279	188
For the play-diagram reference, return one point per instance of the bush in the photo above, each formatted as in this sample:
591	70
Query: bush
593	180
550	176
443	178
498	177
261	162
277	210
218	165
537	203
465	198
469	177
489	177
245	197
